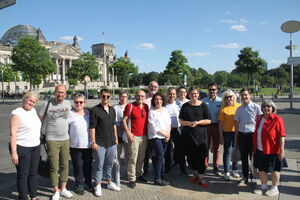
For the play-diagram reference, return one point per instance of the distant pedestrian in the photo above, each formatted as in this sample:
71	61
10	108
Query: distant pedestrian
25	149
268	145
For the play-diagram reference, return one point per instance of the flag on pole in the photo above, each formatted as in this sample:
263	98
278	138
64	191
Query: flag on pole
126	55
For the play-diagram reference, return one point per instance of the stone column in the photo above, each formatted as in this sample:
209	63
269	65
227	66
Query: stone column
57	70
63	71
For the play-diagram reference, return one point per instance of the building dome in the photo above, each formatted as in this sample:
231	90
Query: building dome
12	35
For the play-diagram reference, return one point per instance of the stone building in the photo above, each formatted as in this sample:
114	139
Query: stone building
62	55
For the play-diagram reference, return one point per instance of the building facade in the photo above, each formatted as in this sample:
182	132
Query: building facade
62	55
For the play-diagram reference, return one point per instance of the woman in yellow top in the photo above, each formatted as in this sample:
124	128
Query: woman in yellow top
227	131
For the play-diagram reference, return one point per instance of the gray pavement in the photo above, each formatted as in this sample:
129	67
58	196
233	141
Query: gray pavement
179	188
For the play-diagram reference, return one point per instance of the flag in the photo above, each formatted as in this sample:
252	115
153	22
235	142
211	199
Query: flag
126	55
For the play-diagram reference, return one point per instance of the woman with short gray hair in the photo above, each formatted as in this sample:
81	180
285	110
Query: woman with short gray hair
268	146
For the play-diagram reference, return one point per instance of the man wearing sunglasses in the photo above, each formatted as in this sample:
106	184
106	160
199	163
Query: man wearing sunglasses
104	141
135	125
213	103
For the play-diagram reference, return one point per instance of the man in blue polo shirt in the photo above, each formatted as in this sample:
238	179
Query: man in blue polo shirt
213	103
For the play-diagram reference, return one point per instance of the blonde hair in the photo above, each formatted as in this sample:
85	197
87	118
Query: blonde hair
30	94
228	93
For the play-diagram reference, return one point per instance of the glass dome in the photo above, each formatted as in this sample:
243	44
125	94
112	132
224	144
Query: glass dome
12	35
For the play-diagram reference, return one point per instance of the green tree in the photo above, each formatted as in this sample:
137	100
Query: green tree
85	65
32	60
137	79
151	76
176	65
249	62
123	68
221	77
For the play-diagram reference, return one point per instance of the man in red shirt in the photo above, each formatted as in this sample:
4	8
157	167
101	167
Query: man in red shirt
135	125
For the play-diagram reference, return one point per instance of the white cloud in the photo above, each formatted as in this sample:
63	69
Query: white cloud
146	46
240	27
264	22
69	38
208	30
197	54
228	21
228	46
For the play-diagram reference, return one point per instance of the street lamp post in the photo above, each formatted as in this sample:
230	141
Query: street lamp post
291	27
2	69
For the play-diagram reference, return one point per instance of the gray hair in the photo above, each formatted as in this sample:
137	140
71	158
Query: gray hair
30	94
269	102
228	93
79	95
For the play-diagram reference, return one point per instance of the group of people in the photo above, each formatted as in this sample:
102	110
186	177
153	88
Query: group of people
167	129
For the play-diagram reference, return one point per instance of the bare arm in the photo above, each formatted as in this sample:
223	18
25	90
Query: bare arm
93	139
116	135
14	126
127	131
185	123
281	142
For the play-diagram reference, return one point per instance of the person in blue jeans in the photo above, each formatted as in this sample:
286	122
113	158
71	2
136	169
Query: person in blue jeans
104	141
228	132
159	127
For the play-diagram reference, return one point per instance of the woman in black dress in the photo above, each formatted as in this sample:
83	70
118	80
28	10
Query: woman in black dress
194	116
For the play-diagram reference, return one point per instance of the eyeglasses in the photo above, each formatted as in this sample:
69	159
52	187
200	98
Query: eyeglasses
143	113
229	97
105	96
154	86
77	102
212	89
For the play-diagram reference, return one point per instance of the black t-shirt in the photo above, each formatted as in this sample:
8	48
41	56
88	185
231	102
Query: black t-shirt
192	113
103	123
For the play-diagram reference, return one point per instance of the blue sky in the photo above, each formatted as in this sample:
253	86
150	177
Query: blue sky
209	32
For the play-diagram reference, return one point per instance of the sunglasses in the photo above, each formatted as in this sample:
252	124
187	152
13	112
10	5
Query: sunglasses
78	102
105	96
212	89
228	97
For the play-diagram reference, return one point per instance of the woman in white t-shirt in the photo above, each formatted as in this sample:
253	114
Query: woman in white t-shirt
25	149
80	144
159	127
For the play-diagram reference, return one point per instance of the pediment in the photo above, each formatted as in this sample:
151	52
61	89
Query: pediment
65	50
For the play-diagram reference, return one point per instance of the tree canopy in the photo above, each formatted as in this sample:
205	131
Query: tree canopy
249	62
123	68
32	60
85	65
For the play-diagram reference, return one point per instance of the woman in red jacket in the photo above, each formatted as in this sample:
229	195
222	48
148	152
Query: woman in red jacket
268	145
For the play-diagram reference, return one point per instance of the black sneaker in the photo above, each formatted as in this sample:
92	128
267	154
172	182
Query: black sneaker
161	182
89	187
142	179
184	172
80	190
131	184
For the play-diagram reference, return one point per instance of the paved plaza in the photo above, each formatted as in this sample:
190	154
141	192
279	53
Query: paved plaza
179	188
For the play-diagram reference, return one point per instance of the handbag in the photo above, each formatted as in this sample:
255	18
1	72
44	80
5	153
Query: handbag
236	155
44	165
124	136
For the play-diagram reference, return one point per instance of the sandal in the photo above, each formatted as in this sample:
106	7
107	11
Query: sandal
193	179
202	183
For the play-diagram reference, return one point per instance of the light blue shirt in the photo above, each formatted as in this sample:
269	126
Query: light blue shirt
246	116
213	107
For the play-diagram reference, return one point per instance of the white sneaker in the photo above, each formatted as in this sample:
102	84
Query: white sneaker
113	187
56	196
227	176
66	193
98	190
235	174
272	192
259	190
